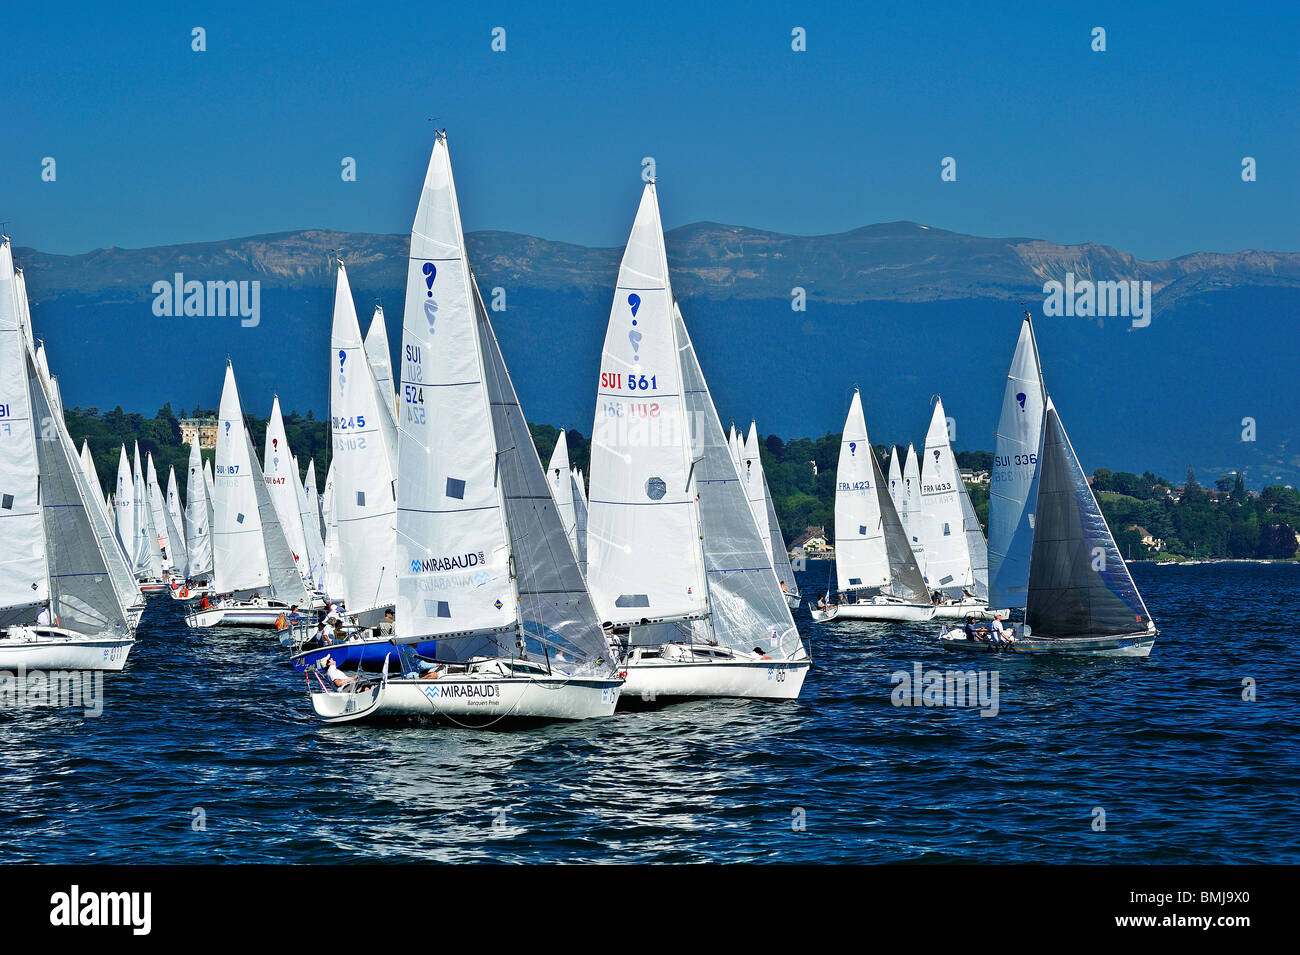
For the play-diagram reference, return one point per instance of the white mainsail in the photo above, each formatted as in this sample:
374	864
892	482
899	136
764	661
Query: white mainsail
365	499
896	484
910	514
198	529
176	521
643	553
309	522
125	513
313	498
334	583
381	361
23	571
279	473
1014	484
861	561
560	478
238	554
947	555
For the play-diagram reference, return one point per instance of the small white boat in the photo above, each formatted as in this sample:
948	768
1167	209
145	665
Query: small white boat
885	608
480	691
823	614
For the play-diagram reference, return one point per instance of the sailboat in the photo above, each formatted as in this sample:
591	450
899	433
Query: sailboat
1050	549
486	571
950	533
676	564
910	513
878	576
381	362
760	503
60	605
253	567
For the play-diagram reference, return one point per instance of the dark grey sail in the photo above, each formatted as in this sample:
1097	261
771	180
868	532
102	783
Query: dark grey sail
1079	585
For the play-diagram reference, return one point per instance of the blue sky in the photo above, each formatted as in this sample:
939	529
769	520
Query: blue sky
1139	147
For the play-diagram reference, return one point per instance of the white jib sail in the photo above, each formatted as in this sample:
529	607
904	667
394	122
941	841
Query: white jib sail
751	476
861	561
124	511
365	503
282	569
896	484
238	554
309	521
643	551
149	555
333	557
176	516
943	529
1013	488
158	513
313	498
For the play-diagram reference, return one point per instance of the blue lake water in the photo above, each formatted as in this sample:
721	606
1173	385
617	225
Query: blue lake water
213	726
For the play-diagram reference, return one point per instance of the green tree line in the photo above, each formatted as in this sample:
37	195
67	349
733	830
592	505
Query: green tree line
1227	522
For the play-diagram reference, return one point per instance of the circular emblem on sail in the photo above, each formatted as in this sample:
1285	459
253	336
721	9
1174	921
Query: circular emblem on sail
655	488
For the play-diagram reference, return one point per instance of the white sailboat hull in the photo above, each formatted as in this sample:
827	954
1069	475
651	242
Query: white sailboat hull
888	612
821	616
237	615
480	698
657	679
52	648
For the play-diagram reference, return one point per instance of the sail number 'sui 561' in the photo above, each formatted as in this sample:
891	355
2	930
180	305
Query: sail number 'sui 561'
617	381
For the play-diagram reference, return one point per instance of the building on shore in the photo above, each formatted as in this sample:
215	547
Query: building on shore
204	430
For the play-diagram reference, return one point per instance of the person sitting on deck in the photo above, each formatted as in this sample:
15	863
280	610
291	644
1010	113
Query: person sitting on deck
785	588
46	617
969	629
203	602
387	626
1001	635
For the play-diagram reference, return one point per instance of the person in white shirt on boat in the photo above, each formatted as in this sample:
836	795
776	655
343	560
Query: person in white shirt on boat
1002	635
335	675
387	626
46	617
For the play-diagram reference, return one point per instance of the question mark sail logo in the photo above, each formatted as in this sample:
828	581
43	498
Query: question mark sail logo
853	448
635	338
275	444
635	301
343	357
430	270
1020	397
227	428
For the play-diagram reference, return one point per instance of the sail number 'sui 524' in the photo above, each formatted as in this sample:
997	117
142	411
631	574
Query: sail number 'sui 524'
413	389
